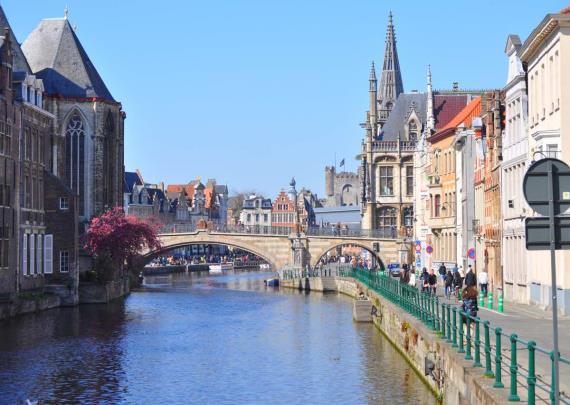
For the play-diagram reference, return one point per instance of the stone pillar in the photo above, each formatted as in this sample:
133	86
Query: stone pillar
299	251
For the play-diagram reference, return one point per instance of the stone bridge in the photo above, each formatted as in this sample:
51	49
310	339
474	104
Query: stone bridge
279	249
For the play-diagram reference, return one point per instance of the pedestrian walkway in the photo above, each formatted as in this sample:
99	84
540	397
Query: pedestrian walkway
531	324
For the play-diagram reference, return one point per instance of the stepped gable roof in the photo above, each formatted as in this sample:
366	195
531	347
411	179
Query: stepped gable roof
397	119
447	106
56	55
130	179
20	62
464	117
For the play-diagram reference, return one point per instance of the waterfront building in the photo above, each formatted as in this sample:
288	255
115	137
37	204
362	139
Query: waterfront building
256	211
546	57
443	232
89	132
514	165
284	212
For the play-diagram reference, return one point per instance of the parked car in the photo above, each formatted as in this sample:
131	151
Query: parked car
394	269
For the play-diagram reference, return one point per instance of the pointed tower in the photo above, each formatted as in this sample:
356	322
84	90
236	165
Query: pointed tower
429	110
391	80
373	92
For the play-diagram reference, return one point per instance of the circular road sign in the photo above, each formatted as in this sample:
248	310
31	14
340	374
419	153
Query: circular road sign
418	248
536	186
429	249
471	253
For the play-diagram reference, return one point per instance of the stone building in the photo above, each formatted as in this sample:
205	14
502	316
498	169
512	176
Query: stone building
89	132
514	166
397	127
342	189
545	56
256	211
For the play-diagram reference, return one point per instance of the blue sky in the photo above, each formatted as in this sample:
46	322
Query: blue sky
253	92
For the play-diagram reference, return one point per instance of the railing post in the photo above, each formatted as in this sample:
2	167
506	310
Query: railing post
437	322
448	307
498	359
461	348
513	396
477	345
531	379
454	344
443	329
488	369
468	337
433	321
553	384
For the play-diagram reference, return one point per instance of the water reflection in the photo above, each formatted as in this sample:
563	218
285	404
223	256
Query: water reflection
204	339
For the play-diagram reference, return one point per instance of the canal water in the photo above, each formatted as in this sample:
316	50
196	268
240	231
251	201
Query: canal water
204	339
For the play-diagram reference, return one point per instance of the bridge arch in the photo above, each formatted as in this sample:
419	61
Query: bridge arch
321	251
272	255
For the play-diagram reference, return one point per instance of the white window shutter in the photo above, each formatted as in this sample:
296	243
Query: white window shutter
48	254
32	247
25	255
39	252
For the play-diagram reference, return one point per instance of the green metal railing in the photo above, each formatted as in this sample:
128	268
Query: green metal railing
490	349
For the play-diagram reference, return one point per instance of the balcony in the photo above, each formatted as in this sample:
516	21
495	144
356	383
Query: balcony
392	146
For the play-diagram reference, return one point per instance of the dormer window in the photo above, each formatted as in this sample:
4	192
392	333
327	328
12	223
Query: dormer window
39	98
413	131
24	91
31	95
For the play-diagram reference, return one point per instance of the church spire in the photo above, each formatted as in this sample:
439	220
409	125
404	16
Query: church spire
430	113
373	92
391	80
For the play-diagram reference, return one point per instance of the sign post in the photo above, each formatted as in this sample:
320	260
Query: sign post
551	178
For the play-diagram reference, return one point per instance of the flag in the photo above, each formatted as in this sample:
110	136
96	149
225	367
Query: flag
341	163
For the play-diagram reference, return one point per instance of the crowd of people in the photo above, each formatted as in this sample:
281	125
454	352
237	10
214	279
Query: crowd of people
456	283
183	260
354	261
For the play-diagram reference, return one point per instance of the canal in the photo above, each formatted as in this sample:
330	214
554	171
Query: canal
204	339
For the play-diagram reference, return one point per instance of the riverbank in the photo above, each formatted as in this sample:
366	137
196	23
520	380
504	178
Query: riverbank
452	379
28	305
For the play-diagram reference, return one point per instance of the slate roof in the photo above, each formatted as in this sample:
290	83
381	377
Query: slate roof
56	56
130	179
20	62
399	115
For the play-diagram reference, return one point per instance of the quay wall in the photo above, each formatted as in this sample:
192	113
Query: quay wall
453	379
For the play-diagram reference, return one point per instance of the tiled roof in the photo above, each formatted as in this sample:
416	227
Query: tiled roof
465	116
56	56
447	106
177	188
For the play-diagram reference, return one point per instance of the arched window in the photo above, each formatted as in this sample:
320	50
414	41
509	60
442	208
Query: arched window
109	161
386	221
75	157
413	131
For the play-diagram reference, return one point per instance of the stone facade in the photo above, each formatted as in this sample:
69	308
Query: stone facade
545	56
514	166
342	189
256	211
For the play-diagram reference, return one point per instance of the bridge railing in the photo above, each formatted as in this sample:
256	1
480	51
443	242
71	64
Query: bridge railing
277	230
516	365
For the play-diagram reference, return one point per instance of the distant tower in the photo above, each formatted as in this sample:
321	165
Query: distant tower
391	80
329	180
292	191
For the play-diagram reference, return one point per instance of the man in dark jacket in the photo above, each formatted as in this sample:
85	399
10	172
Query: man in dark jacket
470	278
432	281
442	271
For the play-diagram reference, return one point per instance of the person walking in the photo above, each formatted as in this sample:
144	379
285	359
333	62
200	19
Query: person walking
432	282
448	281
412	281
425	280
483	279
470	278
469	305
442	271
457	282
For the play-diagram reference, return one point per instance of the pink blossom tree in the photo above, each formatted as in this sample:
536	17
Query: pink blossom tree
119	238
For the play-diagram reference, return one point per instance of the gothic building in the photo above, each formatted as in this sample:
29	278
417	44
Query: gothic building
88	145
397	126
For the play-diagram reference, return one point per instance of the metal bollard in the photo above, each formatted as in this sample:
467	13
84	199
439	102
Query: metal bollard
500	305
481	299
490	300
